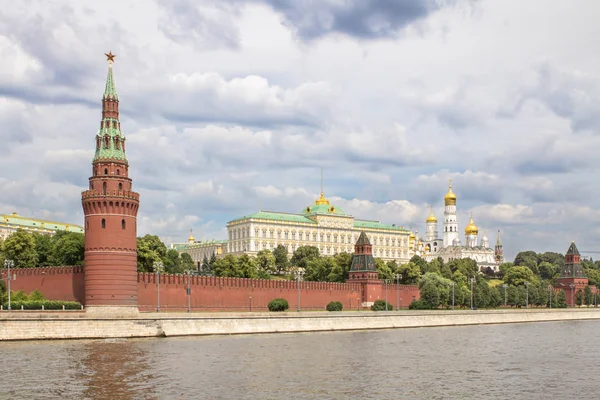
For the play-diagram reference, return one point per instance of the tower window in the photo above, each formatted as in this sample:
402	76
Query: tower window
105	171
103	223
118	172
120	186
122	224
104	187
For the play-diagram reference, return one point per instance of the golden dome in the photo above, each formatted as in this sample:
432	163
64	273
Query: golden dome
450	197
191	237
321	200
431	217
471	228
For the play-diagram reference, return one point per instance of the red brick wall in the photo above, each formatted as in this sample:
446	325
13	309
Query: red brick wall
214	294
56	283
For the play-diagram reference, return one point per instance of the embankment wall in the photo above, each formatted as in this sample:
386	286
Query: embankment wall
32	326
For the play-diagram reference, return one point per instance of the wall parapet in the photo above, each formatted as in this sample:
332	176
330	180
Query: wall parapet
73	269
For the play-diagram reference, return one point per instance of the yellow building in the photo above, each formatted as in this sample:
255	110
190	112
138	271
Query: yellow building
198	250
322	225
10	223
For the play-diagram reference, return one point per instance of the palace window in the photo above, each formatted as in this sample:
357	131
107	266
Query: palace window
328	237
256	232
286	235
264	233
299	235
271	231
322	237
314	237
293	235
278	234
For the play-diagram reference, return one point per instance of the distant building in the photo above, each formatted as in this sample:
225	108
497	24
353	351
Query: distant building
449	247
321	225
572	277
10	223
198	250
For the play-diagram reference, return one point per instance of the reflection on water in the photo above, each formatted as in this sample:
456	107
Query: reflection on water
528	361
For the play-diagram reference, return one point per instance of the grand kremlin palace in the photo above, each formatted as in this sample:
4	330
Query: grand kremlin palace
10	223
322	225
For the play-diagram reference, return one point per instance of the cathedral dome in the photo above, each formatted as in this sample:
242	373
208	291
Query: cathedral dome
191	238
471	229
431	217
323	206
450	197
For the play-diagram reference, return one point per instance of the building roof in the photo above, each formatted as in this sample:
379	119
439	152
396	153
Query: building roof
277	216
32	224
364	224
363	239
572	249
196	245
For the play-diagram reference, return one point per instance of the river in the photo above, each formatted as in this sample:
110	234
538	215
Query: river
515	361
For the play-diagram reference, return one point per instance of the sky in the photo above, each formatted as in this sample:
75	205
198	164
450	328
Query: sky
231	106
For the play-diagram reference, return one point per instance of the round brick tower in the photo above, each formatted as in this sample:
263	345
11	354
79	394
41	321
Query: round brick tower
110	208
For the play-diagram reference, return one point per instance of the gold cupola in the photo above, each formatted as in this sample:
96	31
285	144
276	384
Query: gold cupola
191	238
431	217
450	197
471	229
321	200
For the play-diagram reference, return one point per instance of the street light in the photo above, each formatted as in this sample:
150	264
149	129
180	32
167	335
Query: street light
595	293
572	286
386	281
158	268
8	264
550	294
398	277
189	290
526	294
453	295
472	280
505	286
299	273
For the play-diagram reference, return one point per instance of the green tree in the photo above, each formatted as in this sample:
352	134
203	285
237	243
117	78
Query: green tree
421	263
303	255
43	248
430	295
466	266
434	266
518	275
172	262
150	249
213	259
410	272
68	249
593	276
281	258
382	268
561	299
20	247
344	260
246	267
579	297
527	259
319	269
547	270
588	296
265	261
187	263
226	266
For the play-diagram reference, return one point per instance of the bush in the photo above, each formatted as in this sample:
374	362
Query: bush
18	296
418	305
36	295
335	306
380	305
278	305
48	305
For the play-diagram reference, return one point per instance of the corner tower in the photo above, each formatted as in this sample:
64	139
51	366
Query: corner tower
110	208
363	270
450	222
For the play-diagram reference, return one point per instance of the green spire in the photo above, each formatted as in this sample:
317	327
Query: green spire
109	90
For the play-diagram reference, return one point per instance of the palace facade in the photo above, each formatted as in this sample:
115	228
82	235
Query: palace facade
10	223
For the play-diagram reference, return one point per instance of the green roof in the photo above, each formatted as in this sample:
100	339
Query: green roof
277	216
362	224
195	245
109	90
33	224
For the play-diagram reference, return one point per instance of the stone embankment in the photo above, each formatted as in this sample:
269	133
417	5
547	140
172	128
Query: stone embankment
79	325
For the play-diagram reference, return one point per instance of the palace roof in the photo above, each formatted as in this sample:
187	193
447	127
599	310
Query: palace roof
17	221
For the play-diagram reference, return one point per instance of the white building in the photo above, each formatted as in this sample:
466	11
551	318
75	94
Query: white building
450	247
10	223
322	225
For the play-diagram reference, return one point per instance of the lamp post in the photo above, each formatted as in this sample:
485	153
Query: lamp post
572	286
526	294
299	273
453	284
8	264
158	268
189	291
505	286
398	277
550	294
595	293
250	303
385	281
472	280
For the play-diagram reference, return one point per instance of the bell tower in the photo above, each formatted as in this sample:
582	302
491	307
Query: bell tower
110	207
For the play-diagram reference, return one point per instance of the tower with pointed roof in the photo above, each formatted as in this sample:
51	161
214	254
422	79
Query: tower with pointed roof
450	221
572	278
363	269
110	207
498	251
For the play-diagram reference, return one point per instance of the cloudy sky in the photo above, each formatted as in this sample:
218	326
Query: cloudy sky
231	106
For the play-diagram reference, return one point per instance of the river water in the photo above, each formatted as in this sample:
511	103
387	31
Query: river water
518	361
